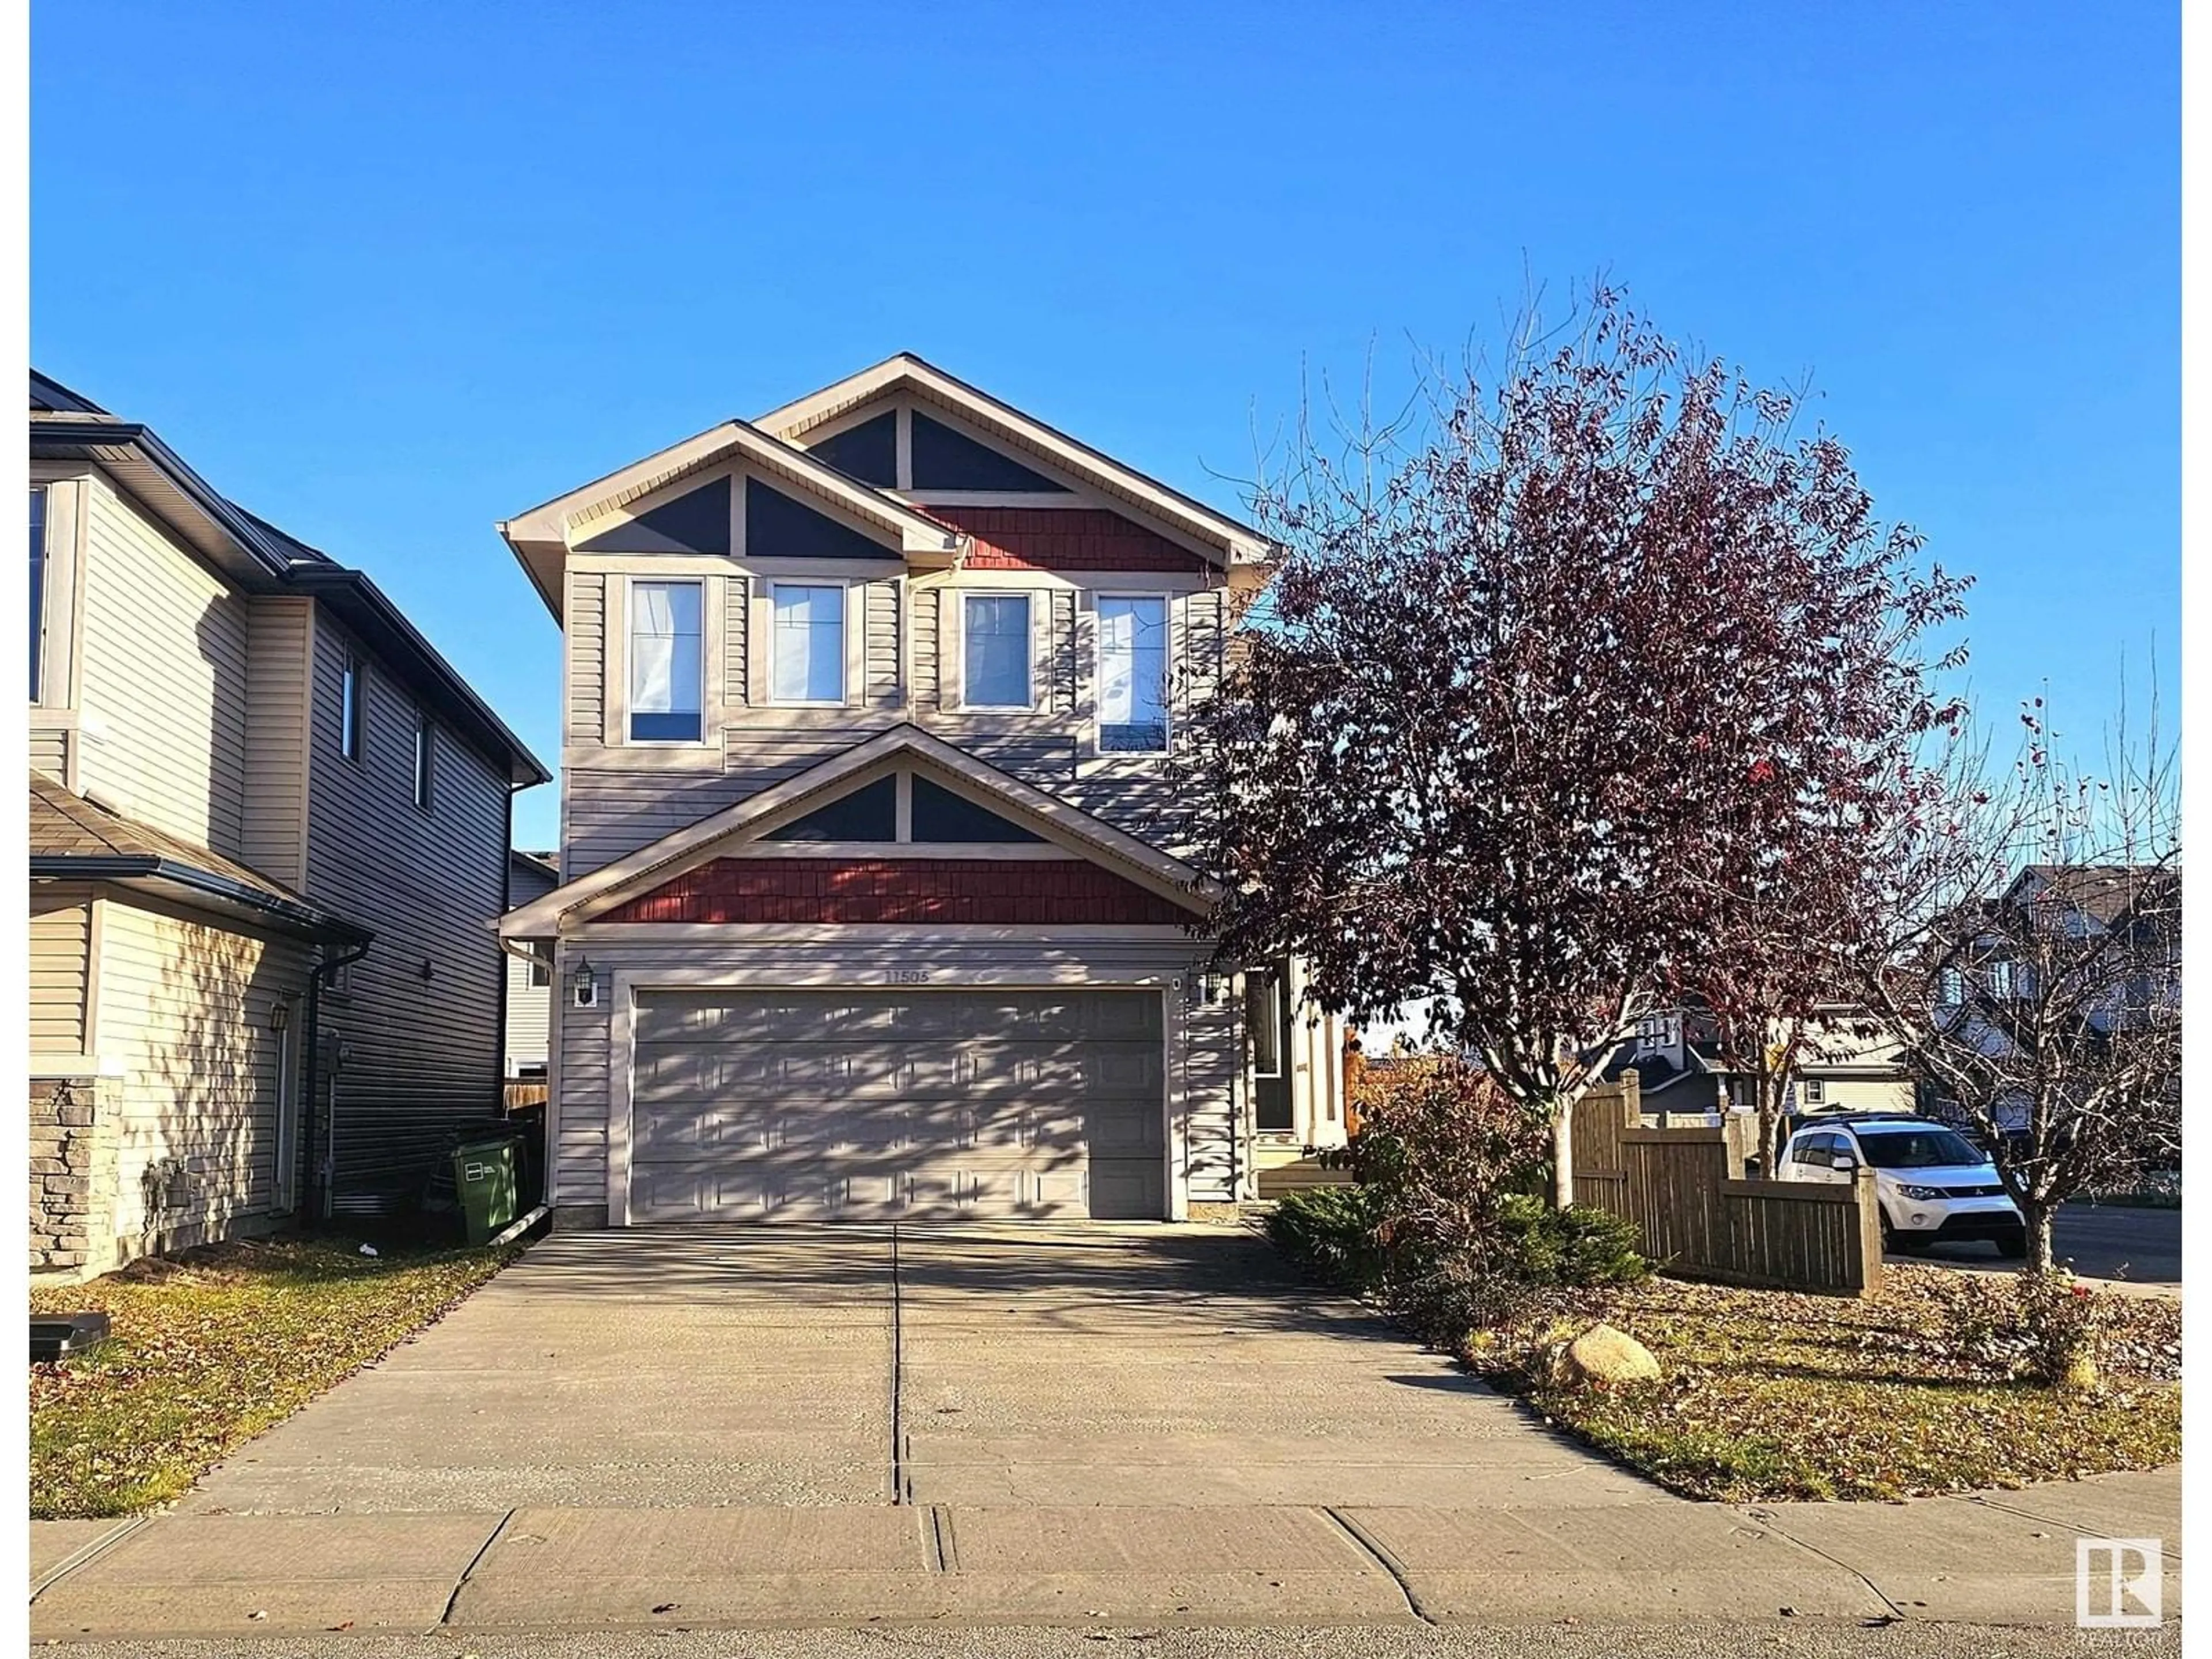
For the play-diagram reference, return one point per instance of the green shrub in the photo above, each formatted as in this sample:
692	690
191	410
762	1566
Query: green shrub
1330	1232
1576	1247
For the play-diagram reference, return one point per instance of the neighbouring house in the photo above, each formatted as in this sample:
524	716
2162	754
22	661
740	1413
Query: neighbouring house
267	841
1850	1063
2109	935
530	876
877	899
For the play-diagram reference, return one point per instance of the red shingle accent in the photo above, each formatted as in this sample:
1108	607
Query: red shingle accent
1062	538
991	891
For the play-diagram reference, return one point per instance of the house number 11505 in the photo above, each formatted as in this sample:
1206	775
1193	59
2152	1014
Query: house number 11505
909	975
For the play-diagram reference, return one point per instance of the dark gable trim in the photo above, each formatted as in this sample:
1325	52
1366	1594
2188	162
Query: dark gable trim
779	527
946	459
868	451
696	522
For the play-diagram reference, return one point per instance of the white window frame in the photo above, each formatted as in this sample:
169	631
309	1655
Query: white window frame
852	630
1098	673
1028	597
40	680
707	643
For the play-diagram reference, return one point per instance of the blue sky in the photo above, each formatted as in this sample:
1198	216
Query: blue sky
388	273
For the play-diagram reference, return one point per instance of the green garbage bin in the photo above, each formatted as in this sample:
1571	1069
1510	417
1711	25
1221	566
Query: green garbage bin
484	1180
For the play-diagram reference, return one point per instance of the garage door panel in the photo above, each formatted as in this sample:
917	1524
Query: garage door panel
822	1105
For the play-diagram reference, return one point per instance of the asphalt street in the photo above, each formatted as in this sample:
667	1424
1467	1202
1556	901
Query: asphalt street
2134	1246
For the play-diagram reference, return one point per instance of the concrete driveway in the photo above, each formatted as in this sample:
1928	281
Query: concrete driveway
827	1365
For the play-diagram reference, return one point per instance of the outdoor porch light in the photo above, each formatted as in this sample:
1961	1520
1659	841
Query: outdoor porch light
584	984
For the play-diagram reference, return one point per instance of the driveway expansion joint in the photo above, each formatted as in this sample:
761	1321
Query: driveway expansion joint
476	1560
901	1479
1766	1519
1380	1553
87	1554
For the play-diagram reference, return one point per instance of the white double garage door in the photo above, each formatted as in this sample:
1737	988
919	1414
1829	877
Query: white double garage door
824	1105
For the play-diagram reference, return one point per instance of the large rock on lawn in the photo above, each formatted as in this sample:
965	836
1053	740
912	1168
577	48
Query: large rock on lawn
1603	1354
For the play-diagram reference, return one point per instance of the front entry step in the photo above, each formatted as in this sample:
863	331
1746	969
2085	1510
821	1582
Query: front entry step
1298	1175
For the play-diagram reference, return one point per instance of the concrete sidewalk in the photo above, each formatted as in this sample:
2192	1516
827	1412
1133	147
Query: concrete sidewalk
1999	1558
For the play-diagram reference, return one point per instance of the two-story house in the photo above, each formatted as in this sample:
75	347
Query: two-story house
269	829
1847	1061
875	900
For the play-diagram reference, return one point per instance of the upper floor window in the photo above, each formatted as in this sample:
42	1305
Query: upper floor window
425	759
806	646
666	665
996	654
350	708
37	591
1133	673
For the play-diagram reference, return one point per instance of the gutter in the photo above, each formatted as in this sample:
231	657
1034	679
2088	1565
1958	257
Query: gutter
132	434
146	866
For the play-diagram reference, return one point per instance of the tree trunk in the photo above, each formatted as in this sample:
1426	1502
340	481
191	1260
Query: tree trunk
1562	1154
2037	1213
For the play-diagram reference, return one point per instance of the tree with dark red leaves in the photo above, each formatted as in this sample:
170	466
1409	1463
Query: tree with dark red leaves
1580	690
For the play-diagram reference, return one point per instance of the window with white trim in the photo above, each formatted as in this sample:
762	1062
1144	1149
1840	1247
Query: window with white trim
37	591
667	682
1133	673
996	658
806	643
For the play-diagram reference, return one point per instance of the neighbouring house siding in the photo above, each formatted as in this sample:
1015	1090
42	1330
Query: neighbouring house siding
1206	1057
279	636
528	1019
50	749
529	1007
164	704
61	968
188	1025
423	1054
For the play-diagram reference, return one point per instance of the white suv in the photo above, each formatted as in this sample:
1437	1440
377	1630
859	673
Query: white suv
1932	1185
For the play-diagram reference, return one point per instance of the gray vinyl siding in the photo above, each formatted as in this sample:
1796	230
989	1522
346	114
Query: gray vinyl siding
61	967
279	635
580	1162
164	696
1204	1042
188	1015
423	1052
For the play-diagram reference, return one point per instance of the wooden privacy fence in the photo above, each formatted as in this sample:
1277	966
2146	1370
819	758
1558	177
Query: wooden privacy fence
1682	1189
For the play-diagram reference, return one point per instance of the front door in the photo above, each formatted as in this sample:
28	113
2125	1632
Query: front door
1267	1028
